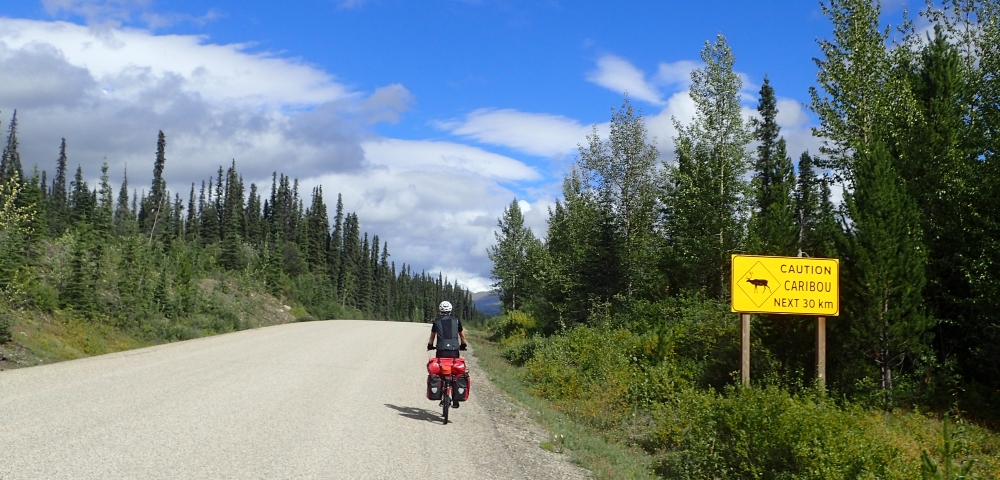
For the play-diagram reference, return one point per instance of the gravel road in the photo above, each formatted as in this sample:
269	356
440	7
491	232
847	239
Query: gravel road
334	399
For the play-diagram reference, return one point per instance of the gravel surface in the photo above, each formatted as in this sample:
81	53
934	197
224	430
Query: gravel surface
335	399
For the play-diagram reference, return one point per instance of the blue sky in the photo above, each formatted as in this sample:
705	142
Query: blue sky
428	116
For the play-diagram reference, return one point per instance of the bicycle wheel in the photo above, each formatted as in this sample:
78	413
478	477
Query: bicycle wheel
447	405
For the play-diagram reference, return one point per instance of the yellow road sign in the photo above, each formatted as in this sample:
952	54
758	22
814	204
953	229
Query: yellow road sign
788	285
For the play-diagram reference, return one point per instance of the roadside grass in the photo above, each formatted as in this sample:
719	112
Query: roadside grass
589	448
39	337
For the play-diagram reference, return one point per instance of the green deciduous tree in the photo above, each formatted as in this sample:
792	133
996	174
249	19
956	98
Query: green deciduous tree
706	194
863	96
619	176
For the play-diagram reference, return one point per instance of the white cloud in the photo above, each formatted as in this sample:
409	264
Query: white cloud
432	156
108	92
537	134
676	73
791	114
125	60
619	75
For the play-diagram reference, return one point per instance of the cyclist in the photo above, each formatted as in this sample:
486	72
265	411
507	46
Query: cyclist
450	336
449	333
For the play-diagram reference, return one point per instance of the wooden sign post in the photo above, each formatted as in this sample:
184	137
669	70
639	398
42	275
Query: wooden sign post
745	348
785	286
821	351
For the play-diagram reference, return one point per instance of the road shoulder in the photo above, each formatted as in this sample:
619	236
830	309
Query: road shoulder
521	436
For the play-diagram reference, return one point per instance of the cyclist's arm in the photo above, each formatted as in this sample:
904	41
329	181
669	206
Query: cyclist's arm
461	334
431	341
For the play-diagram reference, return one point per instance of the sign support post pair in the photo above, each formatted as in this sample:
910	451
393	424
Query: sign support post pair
785	286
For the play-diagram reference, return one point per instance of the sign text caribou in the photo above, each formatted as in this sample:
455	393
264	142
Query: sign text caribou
786	285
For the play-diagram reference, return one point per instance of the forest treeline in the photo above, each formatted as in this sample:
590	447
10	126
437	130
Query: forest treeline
136	259
910	124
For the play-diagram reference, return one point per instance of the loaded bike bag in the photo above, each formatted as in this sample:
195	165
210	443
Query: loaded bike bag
462	385
434	366
434	387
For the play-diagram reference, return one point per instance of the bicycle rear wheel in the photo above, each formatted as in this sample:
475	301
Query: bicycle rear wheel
447	405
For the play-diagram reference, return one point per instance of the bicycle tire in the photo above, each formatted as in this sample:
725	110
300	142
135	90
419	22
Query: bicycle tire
447	405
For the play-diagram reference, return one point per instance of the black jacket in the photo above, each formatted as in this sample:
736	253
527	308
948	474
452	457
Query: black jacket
447	328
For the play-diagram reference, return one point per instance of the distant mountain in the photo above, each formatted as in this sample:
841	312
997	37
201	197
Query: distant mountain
486	303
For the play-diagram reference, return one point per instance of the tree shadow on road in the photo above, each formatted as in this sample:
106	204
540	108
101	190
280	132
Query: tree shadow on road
416	413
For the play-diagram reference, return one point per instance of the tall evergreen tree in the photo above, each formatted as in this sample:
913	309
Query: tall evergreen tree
10	163
191	221
209	228
254	221
772	225
885	267
511	271
157	199
335	245
104	211
124	216
59	196
81	201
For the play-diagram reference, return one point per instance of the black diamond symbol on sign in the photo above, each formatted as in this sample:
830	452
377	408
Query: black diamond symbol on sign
758	284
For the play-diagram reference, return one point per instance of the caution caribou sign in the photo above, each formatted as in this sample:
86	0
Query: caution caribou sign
786	285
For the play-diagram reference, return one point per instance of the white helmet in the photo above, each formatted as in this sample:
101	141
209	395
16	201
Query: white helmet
445	307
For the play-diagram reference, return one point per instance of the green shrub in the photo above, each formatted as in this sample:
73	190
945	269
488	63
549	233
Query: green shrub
769	433
601	375
519	350
511	324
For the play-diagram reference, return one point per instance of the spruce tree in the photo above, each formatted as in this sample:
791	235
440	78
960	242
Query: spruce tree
772	225
10	163
104	211
231	257
254	221
60	213
81	201
209	228
884	263
157	199
124	216
511	271
363	274
191	221
334	250
317	230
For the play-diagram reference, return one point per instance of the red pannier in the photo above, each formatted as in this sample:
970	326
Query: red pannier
446	366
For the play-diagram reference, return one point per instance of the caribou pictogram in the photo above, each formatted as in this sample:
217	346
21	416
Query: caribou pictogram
757	282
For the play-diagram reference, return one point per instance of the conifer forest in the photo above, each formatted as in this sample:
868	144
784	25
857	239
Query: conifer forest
137	256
